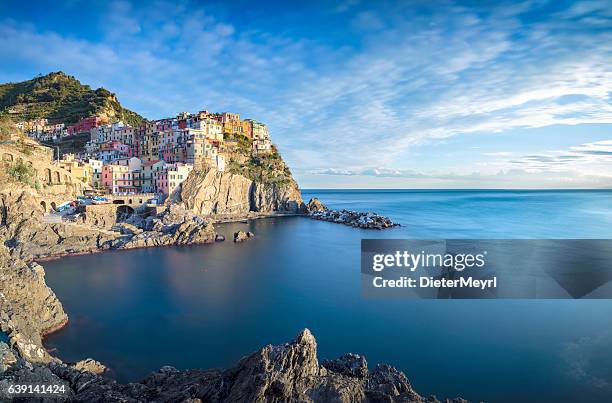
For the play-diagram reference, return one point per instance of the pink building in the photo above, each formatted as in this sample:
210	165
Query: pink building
119	179
86	124
167	180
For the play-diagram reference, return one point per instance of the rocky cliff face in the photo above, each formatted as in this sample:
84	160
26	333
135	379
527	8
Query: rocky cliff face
289	372
28	308
212	192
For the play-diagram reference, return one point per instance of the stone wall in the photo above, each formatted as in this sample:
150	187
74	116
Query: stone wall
50	175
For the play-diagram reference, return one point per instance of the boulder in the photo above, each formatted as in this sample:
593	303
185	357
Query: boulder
241	236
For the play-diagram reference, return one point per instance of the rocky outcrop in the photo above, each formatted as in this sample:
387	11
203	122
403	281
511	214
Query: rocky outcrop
102	216
315	205
353	218
241	236
7	357
28	308
283	373
211	192
90	365
173	226
273	197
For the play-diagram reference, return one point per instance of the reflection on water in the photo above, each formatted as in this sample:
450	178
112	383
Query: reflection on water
206	306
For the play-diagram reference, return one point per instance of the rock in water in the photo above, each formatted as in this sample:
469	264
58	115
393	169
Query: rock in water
315	205
241	236
354	219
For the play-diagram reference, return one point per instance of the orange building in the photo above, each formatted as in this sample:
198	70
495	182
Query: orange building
232	125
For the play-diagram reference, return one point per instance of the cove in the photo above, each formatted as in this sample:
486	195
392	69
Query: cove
207	306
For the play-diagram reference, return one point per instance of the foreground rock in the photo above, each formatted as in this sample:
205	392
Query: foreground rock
241	236
283	373
353	218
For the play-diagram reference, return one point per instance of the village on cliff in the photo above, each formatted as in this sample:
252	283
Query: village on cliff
154	157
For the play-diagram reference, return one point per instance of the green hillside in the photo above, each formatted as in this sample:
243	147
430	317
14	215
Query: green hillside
61	99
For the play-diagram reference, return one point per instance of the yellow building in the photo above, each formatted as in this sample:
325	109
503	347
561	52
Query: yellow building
79	170
233	126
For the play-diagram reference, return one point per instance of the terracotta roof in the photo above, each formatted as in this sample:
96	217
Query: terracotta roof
150	162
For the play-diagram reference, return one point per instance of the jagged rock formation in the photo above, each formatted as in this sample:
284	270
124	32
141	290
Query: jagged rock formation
90	365
28	308
211	192
283	373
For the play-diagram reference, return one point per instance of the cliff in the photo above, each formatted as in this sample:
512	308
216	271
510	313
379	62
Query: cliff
211	192
61	99
251	183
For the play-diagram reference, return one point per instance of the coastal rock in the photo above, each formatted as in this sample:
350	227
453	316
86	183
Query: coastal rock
210	193
354	219
213	192
241	236
7	358
273	197
350	364
28	308
90	365
288	372
315	205
187	233
128	229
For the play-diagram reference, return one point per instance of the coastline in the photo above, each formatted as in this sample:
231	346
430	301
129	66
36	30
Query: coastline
54	329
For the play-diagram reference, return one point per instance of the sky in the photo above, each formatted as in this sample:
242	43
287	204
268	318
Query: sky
356	94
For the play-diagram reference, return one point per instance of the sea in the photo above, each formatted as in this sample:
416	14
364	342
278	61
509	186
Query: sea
207	306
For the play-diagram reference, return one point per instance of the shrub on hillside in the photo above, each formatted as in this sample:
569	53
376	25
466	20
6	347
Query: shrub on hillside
23	173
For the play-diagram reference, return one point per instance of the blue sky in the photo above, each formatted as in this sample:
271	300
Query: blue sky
388	94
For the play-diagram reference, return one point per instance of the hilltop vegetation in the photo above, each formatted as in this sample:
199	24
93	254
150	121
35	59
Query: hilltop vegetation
61	99
267	168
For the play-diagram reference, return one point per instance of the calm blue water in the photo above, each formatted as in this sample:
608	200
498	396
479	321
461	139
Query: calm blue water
206	306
